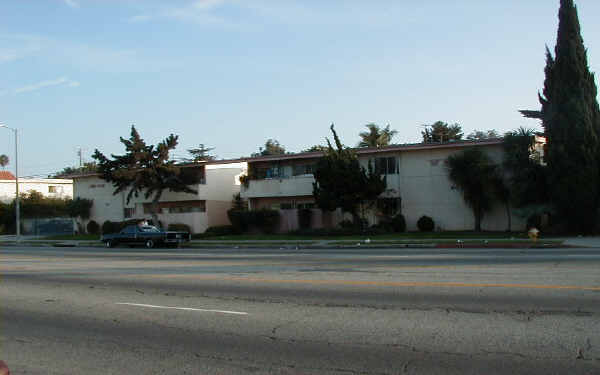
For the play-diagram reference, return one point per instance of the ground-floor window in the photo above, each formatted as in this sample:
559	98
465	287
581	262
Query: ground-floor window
128	212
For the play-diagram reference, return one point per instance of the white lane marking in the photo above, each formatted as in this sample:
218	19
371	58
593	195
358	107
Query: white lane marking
182	308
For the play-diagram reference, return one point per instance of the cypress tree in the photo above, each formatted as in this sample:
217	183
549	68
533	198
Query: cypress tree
570	117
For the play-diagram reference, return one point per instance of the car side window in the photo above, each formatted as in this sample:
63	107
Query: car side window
129	230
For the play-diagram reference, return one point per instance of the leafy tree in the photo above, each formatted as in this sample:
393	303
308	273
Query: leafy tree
376	137
201	153
502	192
80	207
145	169
340	181
526	176
238	204
4	160
475	175
315	148
272	147
479	135
89	167
571	119
440	131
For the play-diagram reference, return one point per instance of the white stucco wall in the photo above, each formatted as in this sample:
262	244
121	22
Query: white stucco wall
222	182
63	187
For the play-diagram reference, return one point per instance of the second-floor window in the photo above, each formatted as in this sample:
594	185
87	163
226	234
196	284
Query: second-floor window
272	172
303	169
386	165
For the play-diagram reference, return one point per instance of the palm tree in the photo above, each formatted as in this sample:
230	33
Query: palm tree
3	160
502	192
474	174
376	137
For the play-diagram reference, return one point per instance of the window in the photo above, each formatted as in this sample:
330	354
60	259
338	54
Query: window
274	172
301	206
128	212
271	172
129	230
286	206
52	189
386	165
303	169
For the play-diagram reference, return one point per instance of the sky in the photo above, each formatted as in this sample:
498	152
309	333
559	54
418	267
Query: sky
230	74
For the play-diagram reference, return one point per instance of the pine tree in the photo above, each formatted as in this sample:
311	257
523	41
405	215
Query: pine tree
341	182
146	169
570	117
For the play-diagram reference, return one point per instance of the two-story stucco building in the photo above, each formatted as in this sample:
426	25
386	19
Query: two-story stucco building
417	185
218	182
48	187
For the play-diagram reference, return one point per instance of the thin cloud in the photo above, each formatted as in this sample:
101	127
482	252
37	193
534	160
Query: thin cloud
71	3
83	56
43	84
199	11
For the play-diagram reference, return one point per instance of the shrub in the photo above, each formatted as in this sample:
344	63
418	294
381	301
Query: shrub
304	218
221	230
425	224
109	227
266	220
398	223
239	219
92	227
179	227
346	224
358	227
534	220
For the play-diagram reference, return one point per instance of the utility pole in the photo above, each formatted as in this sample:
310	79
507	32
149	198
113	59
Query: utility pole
17	203
80	154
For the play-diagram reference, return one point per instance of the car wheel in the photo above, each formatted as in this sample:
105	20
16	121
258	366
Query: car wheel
149	244
110	244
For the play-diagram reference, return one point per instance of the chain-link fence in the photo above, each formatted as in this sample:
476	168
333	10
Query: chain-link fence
48	226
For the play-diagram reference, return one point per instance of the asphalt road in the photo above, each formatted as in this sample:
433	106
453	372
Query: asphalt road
375	311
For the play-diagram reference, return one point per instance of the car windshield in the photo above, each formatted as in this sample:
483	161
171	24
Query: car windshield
149	228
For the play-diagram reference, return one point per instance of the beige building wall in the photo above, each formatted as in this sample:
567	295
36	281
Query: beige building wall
222	182
422	183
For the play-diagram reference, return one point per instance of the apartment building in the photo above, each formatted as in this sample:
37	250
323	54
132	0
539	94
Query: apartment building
417	185
48	187
218	182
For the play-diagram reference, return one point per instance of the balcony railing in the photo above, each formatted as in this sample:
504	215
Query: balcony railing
279	187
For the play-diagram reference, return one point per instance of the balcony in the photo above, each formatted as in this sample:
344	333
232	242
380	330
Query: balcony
279	187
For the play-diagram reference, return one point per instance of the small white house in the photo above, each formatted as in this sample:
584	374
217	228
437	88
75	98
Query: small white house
219	181
48	187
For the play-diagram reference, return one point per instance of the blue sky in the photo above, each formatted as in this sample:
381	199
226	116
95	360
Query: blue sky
231	73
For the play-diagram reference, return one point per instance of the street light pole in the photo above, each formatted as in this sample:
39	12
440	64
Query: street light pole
17	203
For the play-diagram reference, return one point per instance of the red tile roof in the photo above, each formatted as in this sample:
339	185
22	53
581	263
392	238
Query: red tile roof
6	175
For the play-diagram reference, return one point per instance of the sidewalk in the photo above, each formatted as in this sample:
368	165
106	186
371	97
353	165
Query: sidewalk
580	241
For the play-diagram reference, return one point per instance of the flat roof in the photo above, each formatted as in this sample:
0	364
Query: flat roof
182	165
375	150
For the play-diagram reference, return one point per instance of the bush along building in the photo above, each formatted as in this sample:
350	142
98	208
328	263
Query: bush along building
217	182
417	184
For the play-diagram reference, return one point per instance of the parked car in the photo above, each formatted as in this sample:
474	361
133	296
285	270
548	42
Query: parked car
146	235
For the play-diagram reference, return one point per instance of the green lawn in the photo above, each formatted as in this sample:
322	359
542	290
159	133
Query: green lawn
396	236
409	236
78	237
